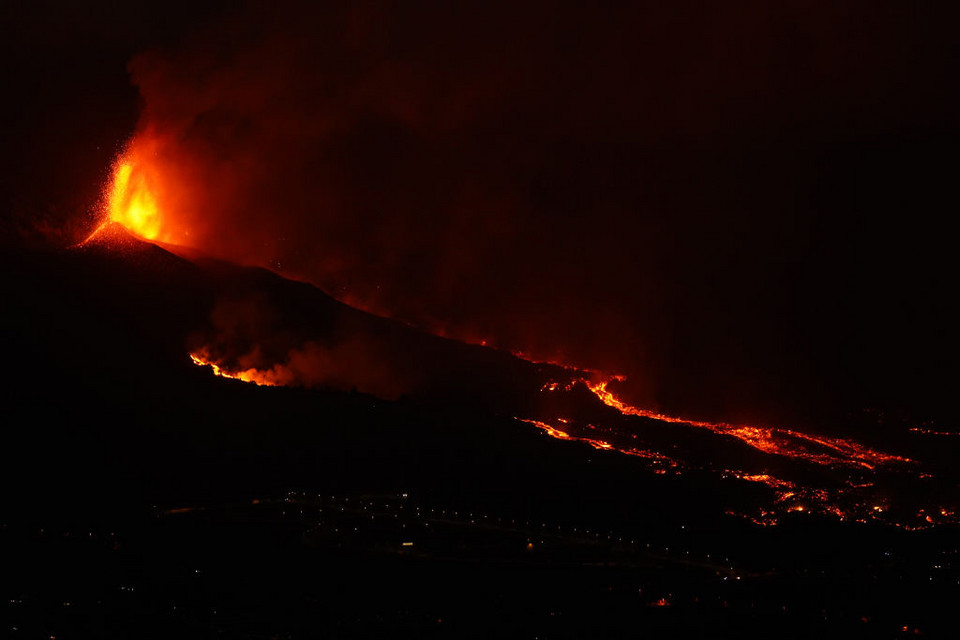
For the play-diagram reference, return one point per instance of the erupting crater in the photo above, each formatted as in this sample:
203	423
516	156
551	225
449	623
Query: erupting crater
143	195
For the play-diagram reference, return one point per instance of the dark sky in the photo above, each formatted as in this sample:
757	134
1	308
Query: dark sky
743	206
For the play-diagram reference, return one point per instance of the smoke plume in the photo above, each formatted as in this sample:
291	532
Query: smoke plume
662	192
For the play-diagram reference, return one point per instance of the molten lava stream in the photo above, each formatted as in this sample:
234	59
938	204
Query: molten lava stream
857	487
254	376
603	445
783	442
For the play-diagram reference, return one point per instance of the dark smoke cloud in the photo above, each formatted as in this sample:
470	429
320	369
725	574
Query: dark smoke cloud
247	333
678	193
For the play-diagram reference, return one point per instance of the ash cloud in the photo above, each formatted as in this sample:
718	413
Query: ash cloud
656	191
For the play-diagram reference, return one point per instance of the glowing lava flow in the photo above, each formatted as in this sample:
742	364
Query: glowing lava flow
932	432
602	445
253	376
837	477
851	482
776	441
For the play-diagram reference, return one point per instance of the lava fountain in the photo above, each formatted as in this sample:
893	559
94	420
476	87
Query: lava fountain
146	195
133	202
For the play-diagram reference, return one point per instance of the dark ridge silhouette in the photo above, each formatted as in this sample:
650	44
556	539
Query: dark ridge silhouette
126	463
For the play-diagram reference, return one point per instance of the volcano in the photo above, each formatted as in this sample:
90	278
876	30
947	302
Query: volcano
132	389
487	320
254	326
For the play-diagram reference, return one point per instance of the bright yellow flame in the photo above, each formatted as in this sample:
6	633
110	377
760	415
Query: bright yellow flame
254	376
132	202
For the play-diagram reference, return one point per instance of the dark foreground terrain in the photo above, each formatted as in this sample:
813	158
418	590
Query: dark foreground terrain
144	497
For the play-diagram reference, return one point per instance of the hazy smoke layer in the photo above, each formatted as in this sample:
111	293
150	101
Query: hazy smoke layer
675	193
247	334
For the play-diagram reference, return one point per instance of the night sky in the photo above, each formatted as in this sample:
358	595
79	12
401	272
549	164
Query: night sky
743	207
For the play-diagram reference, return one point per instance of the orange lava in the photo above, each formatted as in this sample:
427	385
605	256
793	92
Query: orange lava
146	195
132	201
932	432
253	376
849	495
770	481
772	440
602	445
